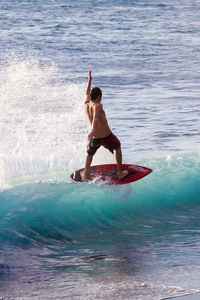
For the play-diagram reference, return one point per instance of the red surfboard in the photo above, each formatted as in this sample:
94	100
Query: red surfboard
108	174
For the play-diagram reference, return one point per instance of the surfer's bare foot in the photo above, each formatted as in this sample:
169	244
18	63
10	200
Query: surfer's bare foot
84	176
122	174
82	173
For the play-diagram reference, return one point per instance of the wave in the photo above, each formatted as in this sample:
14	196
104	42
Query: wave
49	213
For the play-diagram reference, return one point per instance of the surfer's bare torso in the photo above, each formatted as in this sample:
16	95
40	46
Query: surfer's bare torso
97	119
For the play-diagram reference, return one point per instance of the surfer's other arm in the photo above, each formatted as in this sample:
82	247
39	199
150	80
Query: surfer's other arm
88	90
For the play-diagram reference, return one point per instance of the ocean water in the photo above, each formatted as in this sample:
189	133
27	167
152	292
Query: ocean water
64	240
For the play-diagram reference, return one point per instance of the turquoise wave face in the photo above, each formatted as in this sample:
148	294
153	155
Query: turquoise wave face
44	213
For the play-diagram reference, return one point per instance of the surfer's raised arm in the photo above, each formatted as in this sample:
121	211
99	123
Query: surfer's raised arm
88	90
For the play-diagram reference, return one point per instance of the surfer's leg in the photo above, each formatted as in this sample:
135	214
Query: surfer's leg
85	172
121	173
92	147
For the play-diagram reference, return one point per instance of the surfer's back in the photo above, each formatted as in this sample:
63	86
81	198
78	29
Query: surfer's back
97	119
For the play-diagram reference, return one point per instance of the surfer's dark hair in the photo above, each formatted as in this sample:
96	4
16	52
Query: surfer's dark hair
95	92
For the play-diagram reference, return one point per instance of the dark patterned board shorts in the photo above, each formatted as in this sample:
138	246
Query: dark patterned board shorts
110	142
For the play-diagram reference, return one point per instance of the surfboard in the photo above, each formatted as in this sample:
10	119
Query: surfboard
108	174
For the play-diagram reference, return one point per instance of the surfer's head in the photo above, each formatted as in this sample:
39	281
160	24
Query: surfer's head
95	94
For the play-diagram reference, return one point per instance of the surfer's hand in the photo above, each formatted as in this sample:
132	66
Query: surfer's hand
90	75
90	135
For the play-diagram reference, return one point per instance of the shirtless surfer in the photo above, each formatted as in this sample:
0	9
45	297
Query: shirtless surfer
100	134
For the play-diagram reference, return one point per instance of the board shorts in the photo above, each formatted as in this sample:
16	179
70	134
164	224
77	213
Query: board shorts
110	142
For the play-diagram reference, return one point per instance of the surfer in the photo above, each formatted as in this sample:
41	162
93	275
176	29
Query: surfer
100	134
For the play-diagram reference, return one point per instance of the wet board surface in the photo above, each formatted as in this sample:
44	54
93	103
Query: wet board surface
108	174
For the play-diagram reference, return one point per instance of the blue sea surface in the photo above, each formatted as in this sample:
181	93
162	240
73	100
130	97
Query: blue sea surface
64	240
